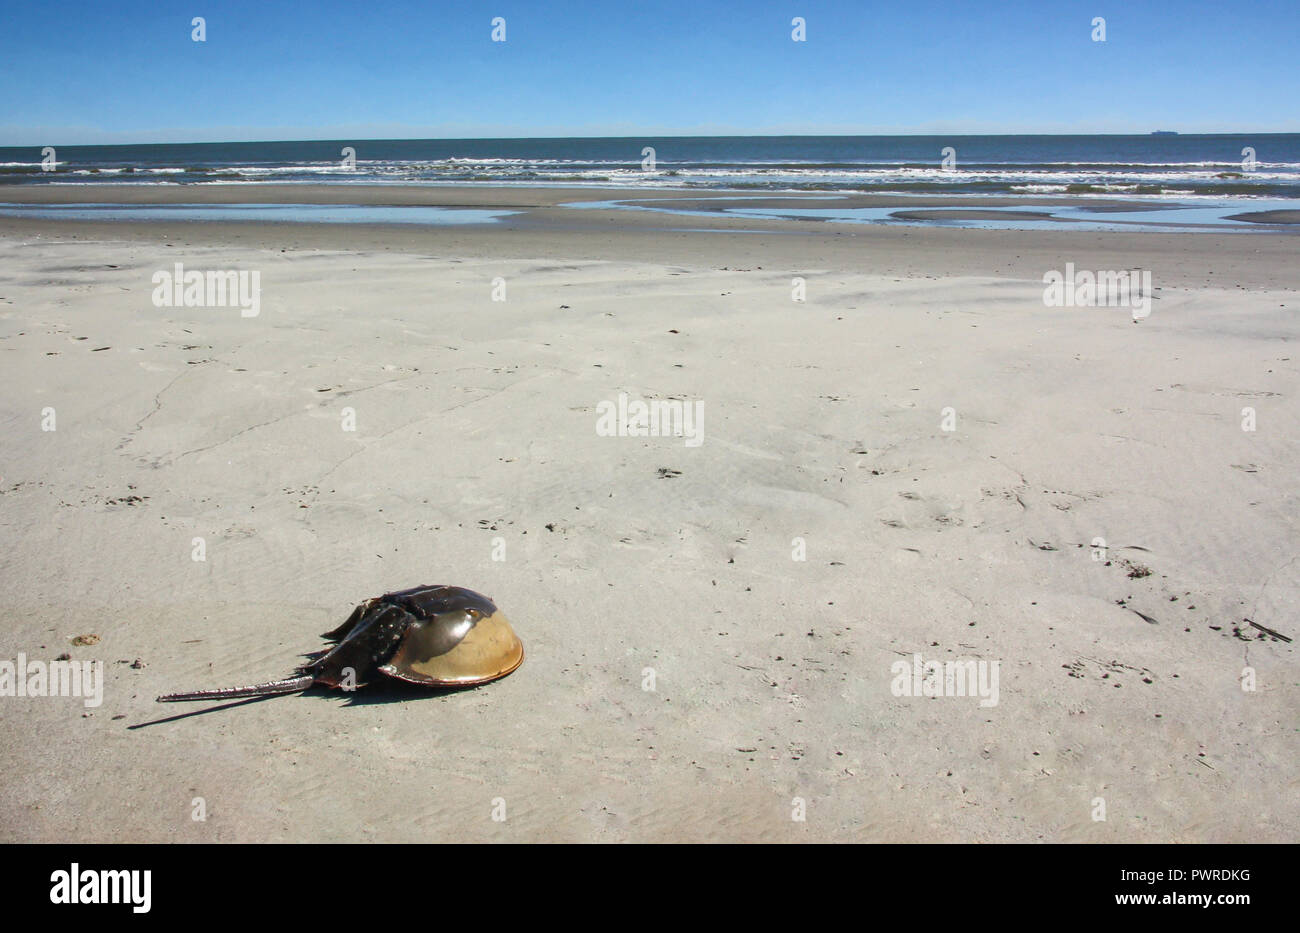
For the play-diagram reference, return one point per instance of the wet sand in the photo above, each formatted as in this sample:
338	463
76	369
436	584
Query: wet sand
1268	217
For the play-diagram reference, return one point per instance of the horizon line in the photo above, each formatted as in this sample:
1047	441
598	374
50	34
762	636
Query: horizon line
640	136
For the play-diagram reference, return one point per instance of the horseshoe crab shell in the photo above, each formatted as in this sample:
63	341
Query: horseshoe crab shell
438	636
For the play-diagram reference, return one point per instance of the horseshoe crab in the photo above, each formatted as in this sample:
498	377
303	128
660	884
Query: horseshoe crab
439	636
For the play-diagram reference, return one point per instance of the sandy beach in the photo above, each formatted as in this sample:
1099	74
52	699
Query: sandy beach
904	452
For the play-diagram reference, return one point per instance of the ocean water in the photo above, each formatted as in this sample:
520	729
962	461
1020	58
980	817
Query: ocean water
264	213
1217	166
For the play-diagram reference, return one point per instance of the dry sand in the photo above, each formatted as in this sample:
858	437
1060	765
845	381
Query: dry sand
475	428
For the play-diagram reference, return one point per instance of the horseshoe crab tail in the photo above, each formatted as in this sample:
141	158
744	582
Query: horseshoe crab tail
288	685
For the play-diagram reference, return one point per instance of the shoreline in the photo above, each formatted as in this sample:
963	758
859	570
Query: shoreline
544	229
690	202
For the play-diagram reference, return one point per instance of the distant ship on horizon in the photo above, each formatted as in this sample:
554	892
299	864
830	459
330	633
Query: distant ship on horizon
1164	132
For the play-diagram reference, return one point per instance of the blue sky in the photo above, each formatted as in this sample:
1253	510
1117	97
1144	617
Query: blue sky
126	71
